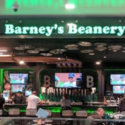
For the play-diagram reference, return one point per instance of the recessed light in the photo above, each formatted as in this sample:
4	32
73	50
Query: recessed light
91	54
104	56
62	21
4	50
98	62
21	62
83	43
5	55
59	58
69	6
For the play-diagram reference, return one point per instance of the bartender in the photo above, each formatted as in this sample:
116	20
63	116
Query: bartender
19	98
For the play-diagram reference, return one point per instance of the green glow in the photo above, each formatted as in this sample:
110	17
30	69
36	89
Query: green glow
48	7
1	79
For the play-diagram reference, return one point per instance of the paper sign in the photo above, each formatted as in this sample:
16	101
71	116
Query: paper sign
42	113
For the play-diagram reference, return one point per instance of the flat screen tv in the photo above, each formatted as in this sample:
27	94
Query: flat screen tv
118	89
28	92
18	88
117	79
68	80
18	78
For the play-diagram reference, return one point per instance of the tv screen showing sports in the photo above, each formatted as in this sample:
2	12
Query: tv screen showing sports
117	79
17	88
118	89
18	78
28	92
68	80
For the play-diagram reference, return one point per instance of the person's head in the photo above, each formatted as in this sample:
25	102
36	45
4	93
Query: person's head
19	94
66	96
123	95
71	76
20	76
100	111
34	92
122	77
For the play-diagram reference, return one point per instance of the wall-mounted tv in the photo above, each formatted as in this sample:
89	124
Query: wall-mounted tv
118	89
68	80
17	88
117	79
18	78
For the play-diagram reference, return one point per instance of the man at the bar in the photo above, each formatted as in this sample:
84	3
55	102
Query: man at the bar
19	98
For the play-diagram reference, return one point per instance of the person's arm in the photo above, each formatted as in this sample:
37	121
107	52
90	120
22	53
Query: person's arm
39	101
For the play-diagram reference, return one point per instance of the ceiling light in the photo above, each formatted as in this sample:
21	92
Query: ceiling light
46	54
98	62
58	51
82	43
5	55
33	51
91	54
123	51
104	56
100	44
87	51
69	6
59	58
4	50
71	47
21	62
101	48
1	53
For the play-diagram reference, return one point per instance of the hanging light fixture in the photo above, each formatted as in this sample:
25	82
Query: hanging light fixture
68	5
21	62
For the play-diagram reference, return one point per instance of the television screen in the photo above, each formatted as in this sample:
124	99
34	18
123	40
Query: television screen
17	88
118	89
28	92
18	78
68	80
117	79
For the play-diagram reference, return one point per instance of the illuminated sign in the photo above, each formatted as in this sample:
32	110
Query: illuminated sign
63	27
72	29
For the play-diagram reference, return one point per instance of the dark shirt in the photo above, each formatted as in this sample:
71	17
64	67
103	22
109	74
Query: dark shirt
19	100
2	101
122	105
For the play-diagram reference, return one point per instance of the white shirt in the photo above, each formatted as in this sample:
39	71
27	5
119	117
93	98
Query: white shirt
33	100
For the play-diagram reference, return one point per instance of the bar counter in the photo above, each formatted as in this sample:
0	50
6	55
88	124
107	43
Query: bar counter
57	108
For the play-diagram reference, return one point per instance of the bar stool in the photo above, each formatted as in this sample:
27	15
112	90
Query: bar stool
14	111
69	114
31	112
1	112
48	121
81	114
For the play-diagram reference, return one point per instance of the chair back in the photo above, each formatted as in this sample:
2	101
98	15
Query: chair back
14	111
67	113
31	112
1	112
82	114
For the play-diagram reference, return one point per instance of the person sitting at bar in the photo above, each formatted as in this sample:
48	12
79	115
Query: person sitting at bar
65	102
96	115
122	104
33	101
19	98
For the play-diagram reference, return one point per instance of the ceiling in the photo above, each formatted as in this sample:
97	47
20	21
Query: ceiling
54	43
57	7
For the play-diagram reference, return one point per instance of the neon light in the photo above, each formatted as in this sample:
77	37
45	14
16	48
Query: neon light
71	29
